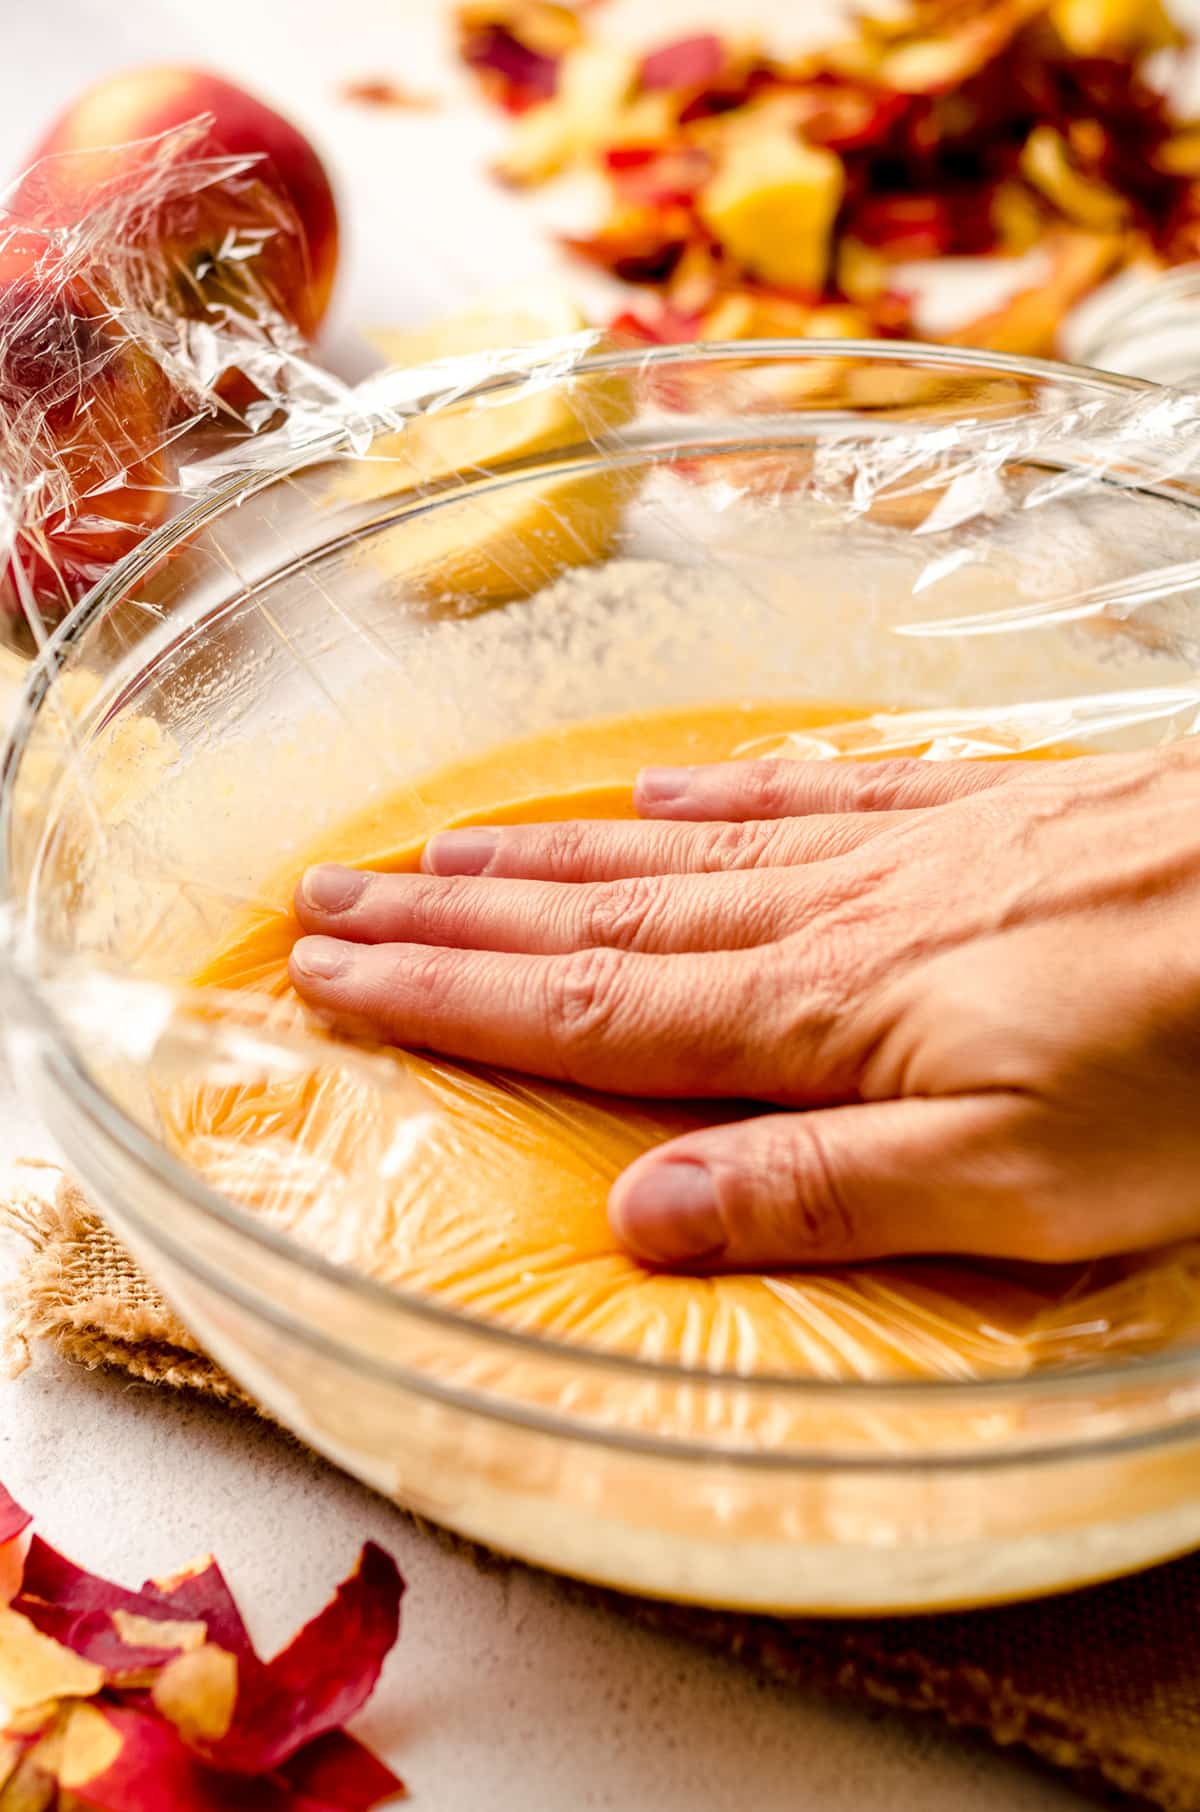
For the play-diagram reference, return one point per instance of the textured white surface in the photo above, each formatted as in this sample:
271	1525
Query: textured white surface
504	1692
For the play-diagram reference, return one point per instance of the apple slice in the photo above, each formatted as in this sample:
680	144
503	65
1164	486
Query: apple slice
508	543
1047	164
1113	28
34	1668
772	206
517	538
477	433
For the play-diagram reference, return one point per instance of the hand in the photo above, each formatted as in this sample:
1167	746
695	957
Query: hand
982	981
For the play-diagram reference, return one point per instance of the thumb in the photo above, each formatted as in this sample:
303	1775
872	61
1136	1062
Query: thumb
839	1184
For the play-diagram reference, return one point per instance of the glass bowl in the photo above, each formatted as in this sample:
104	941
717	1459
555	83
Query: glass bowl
958	536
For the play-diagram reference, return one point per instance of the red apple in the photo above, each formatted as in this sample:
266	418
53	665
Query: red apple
296	270
87	408
84	431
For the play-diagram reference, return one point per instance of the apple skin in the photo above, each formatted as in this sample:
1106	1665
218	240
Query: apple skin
141	103
87	412
12	1565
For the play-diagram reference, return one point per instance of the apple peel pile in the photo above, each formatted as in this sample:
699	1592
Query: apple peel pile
155	1700
756	196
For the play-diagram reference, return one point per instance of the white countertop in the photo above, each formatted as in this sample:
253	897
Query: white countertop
504	1691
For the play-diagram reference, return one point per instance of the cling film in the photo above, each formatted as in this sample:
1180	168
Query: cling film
492	586
144	300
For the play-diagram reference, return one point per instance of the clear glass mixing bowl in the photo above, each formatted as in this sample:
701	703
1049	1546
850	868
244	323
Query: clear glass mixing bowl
915	529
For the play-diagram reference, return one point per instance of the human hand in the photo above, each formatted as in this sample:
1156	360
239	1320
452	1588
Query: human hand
982	980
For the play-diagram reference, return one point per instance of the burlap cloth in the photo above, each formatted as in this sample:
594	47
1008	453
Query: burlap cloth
1104	1683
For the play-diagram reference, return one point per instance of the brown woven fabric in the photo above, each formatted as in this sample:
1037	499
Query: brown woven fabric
1104	1682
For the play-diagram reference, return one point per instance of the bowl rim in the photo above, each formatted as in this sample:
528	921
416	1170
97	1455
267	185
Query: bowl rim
155	1160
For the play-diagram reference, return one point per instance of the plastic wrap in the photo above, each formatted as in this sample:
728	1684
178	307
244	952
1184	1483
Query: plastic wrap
495	586
1146	322
145	299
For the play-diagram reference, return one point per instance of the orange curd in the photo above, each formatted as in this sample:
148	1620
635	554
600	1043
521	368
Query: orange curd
488	1190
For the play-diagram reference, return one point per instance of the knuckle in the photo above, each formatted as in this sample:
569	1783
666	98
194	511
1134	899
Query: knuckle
788	1196
818	997
768	788
584	999
443	907
423	976
743	845
619	914
559	848
882	786
820	1208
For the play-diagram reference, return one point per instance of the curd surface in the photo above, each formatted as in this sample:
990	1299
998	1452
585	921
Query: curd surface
488	1190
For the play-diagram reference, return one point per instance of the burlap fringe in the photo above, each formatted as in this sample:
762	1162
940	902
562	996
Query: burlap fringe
80	1293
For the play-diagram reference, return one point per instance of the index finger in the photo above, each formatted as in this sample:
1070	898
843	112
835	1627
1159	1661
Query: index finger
716	1024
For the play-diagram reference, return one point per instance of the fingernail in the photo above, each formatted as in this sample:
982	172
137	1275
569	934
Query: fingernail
460	852
320	957
662	786
331	888
669	1214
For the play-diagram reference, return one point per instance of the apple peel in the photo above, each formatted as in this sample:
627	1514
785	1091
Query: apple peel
325	1674
141	1764
336	1770
515	47
13	1519
200	1592
143	1701
14	1541
684	63
35	1669
125	1633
